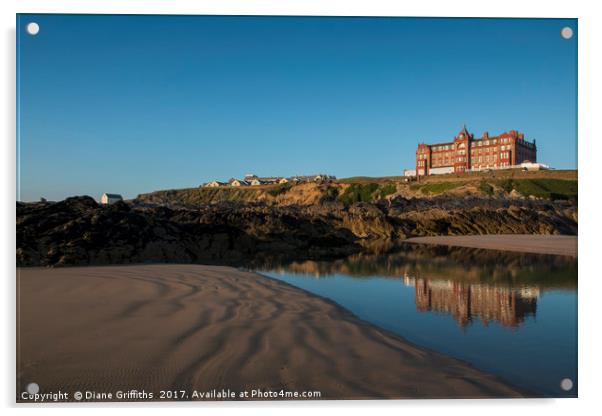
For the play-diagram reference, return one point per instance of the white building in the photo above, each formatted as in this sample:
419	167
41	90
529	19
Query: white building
237	182
526	165
108	199
213	184
444	170
533	166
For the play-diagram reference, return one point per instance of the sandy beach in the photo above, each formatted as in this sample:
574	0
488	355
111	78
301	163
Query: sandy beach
157	327
563	245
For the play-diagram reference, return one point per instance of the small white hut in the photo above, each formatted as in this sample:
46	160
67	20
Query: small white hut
108	199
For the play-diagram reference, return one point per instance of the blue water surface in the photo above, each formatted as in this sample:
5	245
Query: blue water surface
518	326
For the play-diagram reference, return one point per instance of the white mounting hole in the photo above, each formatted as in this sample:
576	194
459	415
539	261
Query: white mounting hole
32	28
566	32
566	384
33	388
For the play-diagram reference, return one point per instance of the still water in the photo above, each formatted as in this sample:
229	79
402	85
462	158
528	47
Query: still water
513	315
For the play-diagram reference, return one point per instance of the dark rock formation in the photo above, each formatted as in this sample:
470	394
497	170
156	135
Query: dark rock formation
78	231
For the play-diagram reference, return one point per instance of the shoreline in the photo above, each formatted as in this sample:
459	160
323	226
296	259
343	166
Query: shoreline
561	245
219	328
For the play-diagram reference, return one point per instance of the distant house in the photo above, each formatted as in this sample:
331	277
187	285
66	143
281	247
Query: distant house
312	178
237	182
323	178
108	199
409	172
255	181
213	184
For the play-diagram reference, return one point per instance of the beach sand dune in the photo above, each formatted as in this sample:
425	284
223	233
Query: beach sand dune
158	327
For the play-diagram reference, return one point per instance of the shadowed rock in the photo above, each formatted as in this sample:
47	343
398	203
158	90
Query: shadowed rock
78	231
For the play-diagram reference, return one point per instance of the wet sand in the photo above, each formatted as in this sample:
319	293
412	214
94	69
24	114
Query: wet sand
157	327
563	245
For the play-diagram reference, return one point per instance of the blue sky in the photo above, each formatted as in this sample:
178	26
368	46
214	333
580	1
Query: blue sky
132	104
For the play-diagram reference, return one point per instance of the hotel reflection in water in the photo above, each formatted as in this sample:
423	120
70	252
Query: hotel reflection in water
467	302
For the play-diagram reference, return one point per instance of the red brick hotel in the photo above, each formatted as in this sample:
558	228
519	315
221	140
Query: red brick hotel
465	153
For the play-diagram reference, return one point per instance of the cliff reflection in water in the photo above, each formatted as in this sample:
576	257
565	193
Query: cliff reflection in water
468	284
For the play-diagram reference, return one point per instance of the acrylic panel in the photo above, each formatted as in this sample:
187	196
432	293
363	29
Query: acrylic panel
292	208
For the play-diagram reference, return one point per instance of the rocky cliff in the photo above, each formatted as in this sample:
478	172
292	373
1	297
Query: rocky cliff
79	231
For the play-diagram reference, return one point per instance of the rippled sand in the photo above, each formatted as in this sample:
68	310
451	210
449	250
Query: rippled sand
198	327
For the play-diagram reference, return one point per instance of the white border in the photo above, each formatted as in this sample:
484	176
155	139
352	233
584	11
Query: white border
590	137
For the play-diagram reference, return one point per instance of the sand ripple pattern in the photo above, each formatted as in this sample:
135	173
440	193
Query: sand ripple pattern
200	327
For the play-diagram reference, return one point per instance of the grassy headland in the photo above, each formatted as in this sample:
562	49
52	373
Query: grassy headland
551	185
